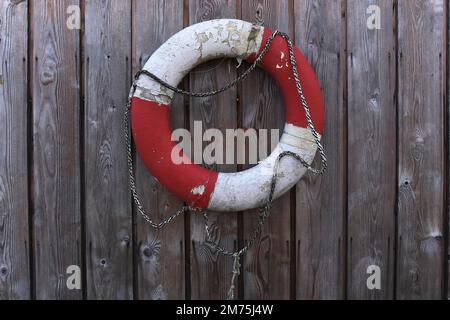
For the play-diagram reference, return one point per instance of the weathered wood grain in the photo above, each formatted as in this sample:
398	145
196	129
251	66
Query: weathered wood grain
421	178
371	149
160	263
14	237
108	219
211	272
267	266
320	201
56	152
446	148
386	165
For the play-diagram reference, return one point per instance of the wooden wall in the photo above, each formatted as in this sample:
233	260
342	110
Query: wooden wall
64	195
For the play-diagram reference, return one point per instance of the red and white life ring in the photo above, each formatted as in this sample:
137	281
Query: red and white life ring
150	108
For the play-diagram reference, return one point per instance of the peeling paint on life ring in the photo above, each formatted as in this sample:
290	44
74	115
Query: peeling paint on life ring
150	115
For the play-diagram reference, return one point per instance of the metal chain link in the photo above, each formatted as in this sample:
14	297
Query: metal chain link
264	212
132	179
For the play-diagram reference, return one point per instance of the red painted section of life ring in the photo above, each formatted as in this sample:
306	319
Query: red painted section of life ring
277	64
152	132
152	135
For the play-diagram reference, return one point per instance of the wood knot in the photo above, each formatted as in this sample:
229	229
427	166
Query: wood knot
47	77
3	271
147	252
259	15
126	240
49	72
150	251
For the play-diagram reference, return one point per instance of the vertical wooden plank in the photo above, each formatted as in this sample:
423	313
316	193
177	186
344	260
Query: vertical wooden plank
267	264
421	149
160	255
14	239
211	272
447	155
108	206
320	201
56	167
371	148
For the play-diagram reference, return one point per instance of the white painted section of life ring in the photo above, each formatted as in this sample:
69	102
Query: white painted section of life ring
218	39
250	188
196	44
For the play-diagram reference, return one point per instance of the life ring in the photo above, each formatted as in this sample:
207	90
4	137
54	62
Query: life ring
150	107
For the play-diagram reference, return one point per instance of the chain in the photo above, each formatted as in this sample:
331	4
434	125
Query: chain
132	179
264	212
